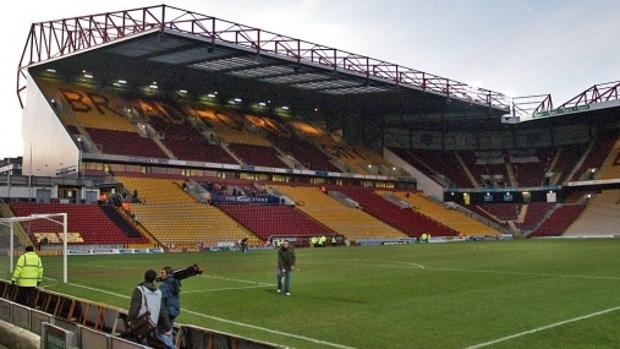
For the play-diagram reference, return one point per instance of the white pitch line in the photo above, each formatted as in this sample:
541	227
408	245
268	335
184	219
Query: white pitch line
226	289
99	290
392	265
241	324
236	280
411	263
539	329
569	276
296	336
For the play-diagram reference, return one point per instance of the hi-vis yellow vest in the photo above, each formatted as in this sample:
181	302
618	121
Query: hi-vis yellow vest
28	270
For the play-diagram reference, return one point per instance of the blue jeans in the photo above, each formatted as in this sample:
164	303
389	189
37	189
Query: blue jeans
166	340
287	280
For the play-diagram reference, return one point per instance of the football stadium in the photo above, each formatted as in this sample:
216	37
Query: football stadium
421	212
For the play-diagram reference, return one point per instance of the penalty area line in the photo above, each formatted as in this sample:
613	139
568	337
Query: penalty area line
543	328
237	323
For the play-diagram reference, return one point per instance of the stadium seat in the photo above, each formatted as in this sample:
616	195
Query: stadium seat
92	108
448	217
351	222
559	221
90	222
175	218
410	221
257	155
186	143
125	143
275	220
603	145
228	126
611	166
437	164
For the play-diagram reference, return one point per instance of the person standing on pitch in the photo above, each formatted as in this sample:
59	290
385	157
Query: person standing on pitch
27	276
286	265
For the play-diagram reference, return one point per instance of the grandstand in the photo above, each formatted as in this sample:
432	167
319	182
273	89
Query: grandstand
177	103
185	132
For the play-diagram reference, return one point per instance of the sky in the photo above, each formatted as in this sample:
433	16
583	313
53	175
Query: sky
517	47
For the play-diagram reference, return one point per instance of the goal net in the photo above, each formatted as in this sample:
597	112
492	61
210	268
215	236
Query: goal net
49	236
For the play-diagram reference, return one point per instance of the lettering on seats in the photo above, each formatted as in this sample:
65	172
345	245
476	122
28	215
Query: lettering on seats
269	125
84	102
75	100
159	109
170	112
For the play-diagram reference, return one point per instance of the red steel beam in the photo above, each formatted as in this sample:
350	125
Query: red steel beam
79	33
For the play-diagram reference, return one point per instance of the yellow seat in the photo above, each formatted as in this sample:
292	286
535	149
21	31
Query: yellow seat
92	109
228	127
173	216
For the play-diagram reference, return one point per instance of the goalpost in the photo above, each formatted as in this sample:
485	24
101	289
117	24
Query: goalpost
44	225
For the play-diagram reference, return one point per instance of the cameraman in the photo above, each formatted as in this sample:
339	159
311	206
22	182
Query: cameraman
147	298
170	293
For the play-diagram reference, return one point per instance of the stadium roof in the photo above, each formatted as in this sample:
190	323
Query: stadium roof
184	50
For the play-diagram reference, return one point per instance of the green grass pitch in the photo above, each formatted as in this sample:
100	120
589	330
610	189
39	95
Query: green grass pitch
455	295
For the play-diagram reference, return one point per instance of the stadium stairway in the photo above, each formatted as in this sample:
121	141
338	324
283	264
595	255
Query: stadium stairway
600	217
466	170
177	219
120	221
453	219
350	222
20	233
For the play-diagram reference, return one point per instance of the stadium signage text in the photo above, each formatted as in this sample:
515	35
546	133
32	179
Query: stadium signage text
246	199
555	112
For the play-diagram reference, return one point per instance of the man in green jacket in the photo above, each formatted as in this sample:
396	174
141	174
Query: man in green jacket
27	276
286	265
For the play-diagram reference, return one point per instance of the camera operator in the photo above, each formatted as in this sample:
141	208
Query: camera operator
146	300
170	292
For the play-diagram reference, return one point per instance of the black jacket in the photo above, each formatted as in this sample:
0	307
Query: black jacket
286	258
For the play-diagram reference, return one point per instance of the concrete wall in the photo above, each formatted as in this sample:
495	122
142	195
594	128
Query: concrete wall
424	182
48	147
17	338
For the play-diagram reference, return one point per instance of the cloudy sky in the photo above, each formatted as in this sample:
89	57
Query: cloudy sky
517	47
